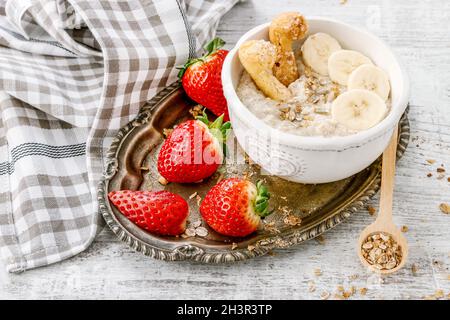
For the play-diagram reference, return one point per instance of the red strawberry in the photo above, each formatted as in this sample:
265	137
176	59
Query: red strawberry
201	78
194	150
160	212
234	207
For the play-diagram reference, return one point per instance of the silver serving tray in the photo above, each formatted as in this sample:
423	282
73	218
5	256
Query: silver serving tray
134	149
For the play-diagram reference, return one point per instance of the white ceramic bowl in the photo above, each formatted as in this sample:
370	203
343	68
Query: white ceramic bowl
316	159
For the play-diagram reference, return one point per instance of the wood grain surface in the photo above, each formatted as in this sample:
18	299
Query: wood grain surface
419	32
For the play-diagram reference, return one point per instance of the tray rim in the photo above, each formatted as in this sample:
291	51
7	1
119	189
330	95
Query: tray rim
195	253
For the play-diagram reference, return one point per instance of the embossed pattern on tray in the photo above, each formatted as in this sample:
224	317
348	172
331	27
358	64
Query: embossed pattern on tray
131	165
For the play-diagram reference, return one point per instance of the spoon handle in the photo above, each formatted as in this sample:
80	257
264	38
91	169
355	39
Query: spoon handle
388	179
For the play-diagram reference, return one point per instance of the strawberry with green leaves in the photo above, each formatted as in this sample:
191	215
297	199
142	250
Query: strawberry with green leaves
201	78
234	207
194	150
160	212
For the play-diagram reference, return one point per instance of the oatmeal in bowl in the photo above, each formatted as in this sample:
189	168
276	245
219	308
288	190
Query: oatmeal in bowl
309	111
311	84
312	99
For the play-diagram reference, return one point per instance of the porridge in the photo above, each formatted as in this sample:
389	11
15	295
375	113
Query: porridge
329	92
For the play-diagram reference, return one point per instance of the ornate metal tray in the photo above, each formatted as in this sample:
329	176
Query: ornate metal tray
131	165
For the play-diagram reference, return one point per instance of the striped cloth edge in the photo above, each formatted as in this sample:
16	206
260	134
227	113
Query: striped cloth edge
72	72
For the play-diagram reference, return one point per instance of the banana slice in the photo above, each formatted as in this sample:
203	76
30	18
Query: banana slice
358	109
317	49
343	62
371	78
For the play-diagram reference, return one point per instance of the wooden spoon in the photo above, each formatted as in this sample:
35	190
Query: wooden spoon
384	222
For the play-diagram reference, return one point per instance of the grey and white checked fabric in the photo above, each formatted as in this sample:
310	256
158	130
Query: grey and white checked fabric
72	72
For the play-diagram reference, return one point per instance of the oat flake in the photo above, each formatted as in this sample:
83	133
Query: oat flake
201	232
190	232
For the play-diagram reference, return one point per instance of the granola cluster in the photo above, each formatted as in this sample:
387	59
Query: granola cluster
319	94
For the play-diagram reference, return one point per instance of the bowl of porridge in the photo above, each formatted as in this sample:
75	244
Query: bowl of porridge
313	100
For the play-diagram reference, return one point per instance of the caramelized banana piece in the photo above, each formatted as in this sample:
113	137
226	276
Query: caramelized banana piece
258	58
284	29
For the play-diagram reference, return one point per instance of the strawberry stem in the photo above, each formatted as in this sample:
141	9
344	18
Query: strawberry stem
262	200
217	128
210	48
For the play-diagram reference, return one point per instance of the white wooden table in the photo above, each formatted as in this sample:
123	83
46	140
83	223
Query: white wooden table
419	32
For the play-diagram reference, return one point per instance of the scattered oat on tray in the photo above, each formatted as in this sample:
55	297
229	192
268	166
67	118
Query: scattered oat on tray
414	269
292	220
353	277
371	210
438	294
163	181
220	177
196	110
190	232
201	232
289	218
167	131
440	170
270	227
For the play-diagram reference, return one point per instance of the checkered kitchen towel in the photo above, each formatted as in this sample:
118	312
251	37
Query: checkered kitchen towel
71	73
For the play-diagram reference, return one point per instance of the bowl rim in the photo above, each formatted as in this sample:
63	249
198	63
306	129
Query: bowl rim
320	142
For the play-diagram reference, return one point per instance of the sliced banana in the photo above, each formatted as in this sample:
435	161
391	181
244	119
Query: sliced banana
343	62
358	109
317	49
371	78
